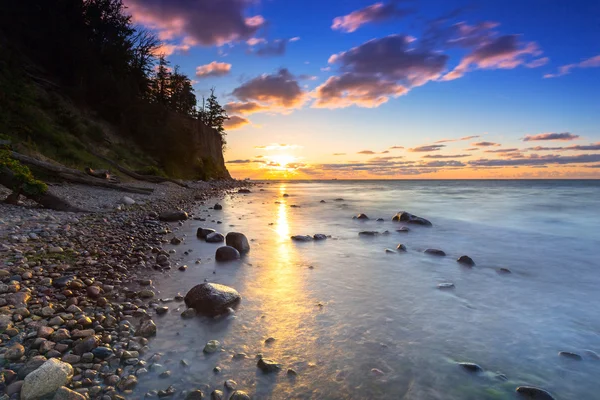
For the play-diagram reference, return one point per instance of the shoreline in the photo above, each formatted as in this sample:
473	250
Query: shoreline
66	288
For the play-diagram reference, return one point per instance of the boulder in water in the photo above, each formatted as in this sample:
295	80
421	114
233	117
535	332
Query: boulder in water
238	240
173	216
403	216
471	367
466	260
319	236
268	366
401	247
368	233
218	207
570	355
531	392
215	237
46	380
244	190
227	253
211	298
435	252
362	217
302	238
202	233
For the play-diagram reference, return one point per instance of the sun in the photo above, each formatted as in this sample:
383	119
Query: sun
282	160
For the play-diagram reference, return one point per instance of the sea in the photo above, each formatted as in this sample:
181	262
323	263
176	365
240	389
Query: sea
356	321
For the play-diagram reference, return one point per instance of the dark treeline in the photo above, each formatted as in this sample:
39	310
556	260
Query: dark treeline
93	51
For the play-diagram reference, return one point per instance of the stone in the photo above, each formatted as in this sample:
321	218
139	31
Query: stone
404	229
202	233
14	388
146	294
93	291
570	355
214	237
175	241
239	395
403	216
227	253
189	313
362	217
162	310
471	367
319	236
86	345
102	352
368	233
218	207
244	190
217	395
237	240
173	216
302	238
466	260
55	250
19	299
230	384
128	201
71	358
504	271
446	285
268	366
47	311
45	332
194	395
435	252
64	393
46	380
146	329
211	298
212	346
531	392
401	247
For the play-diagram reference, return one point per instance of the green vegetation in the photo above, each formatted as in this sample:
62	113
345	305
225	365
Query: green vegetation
25	182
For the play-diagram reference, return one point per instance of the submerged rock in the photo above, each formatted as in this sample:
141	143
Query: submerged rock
244	190
471	367
302	238
504	271
572	356
202	233
435	252
146	329
239	395
401	247
403	216
268	366
217	395
534	393
172	216
238	240
215	237
368	233
446	285
361	216
211	298
212	346
46	380
319	236
227	253
466	260
404	229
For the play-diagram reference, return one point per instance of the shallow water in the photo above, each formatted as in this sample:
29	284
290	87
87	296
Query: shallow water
342	307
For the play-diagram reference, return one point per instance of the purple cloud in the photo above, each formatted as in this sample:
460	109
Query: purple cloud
375	13
537	160
446	155
485	144
235	122
213	69
431	147
276	91
276	47
366	152
457	140
565	136
250	107
566	69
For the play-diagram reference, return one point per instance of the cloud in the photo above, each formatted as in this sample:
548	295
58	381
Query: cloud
472	149
502	150
538	63
276	47
485	144
244	108
339	154
396	147
589	147
566	69
565	136
451	163
504	52
446	155
375	13
167	49
279	90
278	146
235	122
431	147
376	70
457	140
213	69
366	152
205	22
536	160
239	162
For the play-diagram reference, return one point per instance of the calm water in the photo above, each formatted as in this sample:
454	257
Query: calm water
359	308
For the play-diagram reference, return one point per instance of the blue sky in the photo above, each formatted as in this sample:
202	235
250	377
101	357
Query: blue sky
390	86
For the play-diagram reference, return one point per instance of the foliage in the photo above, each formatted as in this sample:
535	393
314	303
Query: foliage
214	115
26	183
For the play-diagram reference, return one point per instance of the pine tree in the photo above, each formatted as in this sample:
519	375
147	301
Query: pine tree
215	115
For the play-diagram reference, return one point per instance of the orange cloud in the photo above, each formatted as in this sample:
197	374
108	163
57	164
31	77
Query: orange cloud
213	69
565	136
235	122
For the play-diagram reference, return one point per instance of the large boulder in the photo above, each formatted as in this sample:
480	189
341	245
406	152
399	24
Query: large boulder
238	240
531	392
466	260
173	216
227	253
403	216
361	216
211	298
215	237
46	380
435	252
202	233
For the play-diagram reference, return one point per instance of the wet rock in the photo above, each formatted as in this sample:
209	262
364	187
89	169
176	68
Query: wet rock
189	313
15	352
226	253
570	355
71	358
194	395
175	241
368	233
215	237
435	252
322	201
268	366
46	380
592	355
244	190
319	236
239	395
389	251
64	393
401	247
446	285
127	383
146	329
403	216
102	352
291	372
230	384
162	310
93	291
466	260
173	216
217	395
531	392
86	345
212	346
211	298
19	299
471	367
14	388
55	250
146	294
202	233
302	238
361	217
404	229
504	271
238	240
218	207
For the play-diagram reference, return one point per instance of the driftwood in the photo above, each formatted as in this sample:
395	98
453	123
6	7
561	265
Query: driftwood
7	178
139	177
98	173
73	175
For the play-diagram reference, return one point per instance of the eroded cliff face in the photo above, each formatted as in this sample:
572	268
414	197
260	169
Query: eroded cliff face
208	145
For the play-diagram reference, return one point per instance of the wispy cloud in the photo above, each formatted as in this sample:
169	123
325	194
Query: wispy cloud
537	160
278	146
235	122
375	13
431	147
591	62
457	140
565	136
485	144
366	152
213	69
446	155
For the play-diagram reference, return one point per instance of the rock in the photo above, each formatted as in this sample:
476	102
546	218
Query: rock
128	201
218	207
146	294
215	237
268	366
5	322
31	365
319	236
194	395
46	380
504	271
401	247
217	395
471	367
368	233
162	310
15	352
64	393
71	358
403	216
466	260
286	195
591	355
45	332
86	345
237	240
175	241
202	233
211	298
404	229
534	393
212	346
435	252
189	313
322	201
244	190
226	253
239	395
291	372
390	251
14	388
362	217
446	285
55	250
230	384
146	329
19	299
570	355
47	311
173	216
102	352
301	238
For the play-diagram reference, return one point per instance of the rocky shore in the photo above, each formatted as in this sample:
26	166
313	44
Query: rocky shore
76	297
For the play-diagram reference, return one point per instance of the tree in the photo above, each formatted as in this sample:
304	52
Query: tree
214	115
183	98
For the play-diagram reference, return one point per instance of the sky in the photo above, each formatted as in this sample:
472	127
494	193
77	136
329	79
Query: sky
394	89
